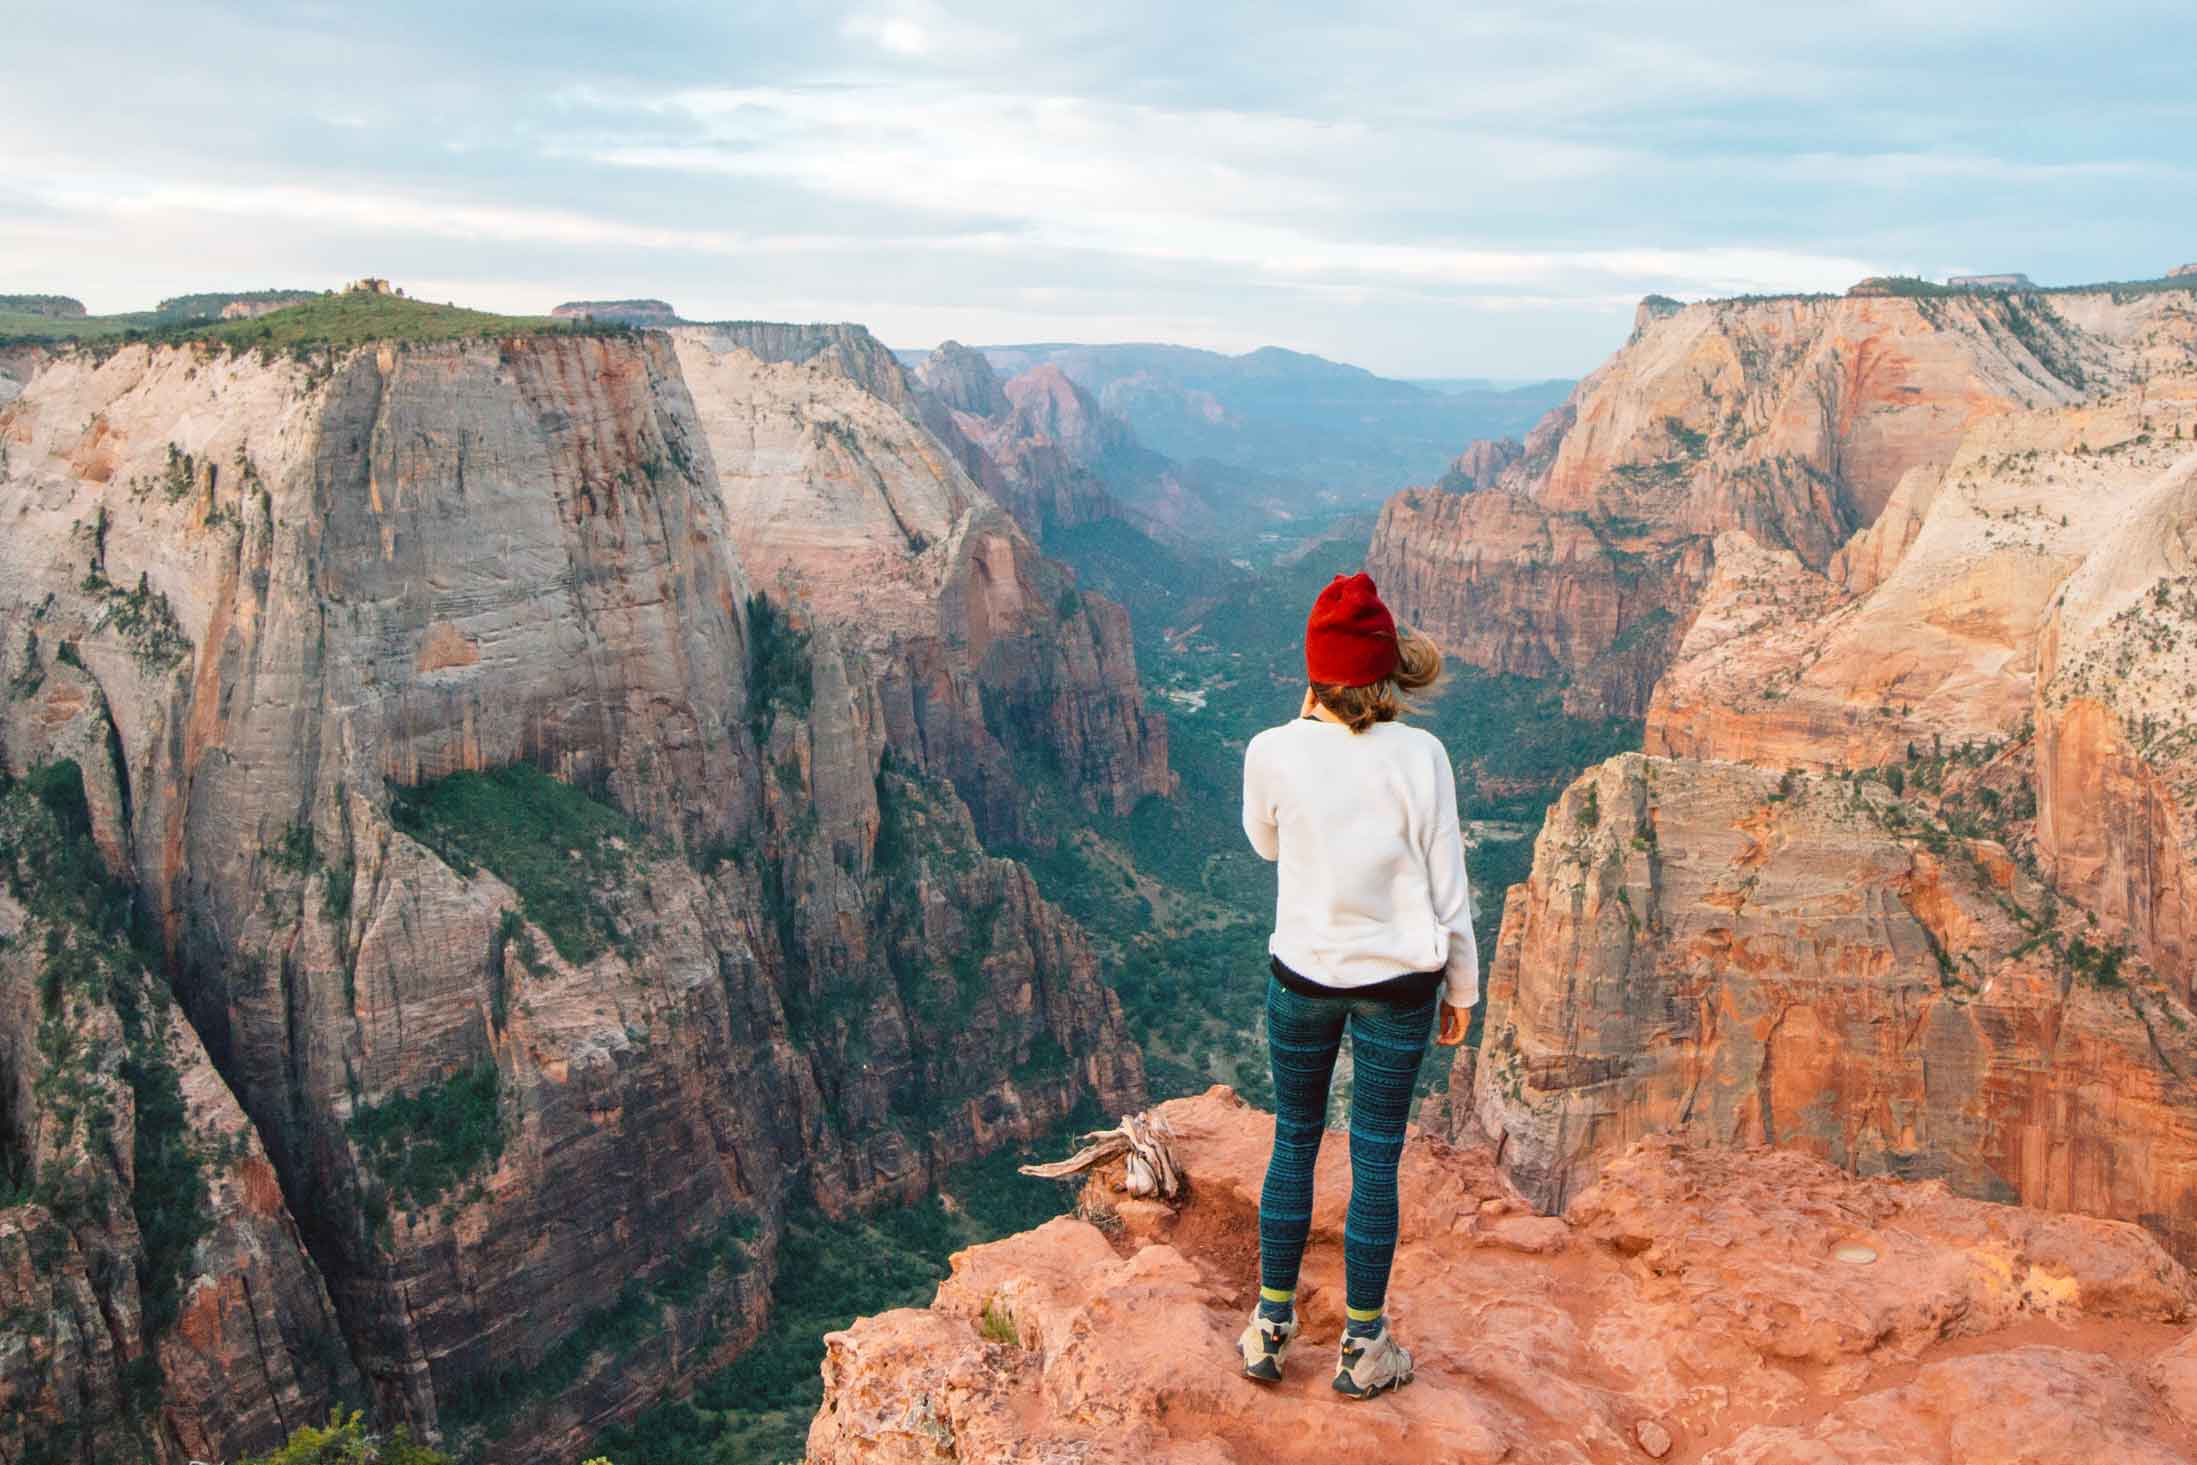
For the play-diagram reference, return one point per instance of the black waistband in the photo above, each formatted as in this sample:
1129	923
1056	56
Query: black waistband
1407	989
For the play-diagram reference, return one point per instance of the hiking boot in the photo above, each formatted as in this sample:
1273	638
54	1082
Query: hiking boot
1264	1344
1370	1366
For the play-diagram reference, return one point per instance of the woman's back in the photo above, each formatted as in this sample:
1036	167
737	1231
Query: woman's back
1357	823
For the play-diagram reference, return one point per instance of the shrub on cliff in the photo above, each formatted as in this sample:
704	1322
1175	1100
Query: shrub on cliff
345	1441
558	848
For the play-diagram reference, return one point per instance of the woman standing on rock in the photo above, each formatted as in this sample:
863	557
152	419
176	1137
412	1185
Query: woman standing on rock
1373	932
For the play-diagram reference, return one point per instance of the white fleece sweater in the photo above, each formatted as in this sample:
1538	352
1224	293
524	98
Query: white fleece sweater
1364	827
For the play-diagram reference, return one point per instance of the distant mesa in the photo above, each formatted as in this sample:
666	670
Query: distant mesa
248	309
2181	271
623	312
229	304
45	307
2012	280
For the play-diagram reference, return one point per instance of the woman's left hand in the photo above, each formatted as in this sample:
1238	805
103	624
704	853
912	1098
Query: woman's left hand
1454	1022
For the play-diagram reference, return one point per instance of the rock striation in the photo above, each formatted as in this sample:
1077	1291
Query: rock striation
1795	421
274	608
988	665
158	1296
1730	1307
1748	958
1906	879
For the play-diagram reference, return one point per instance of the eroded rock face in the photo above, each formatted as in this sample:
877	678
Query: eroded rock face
980	649
2116	713
254	599
1694	1299
1794	421
156	1300
1927	628
1717	951
1482	465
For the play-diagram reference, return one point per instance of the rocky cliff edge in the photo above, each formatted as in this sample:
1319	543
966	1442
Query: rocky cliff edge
1731	1307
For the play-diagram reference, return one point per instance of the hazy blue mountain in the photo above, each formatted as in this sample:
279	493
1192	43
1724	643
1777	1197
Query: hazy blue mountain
1340	430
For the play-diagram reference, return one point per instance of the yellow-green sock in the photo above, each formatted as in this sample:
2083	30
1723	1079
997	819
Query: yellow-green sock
1362	1322
1275	1305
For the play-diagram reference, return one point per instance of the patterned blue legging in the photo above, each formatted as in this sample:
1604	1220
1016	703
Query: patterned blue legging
1387	1042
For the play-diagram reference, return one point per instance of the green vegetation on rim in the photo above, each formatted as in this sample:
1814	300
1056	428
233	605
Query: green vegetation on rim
562	851
351	318
346	1441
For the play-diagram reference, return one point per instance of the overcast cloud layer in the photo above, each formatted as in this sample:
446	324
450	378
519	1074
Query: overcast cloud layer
1434	191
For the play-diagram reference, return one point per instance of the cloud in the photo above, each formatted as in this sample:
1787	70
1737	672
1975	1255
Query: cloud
1424	187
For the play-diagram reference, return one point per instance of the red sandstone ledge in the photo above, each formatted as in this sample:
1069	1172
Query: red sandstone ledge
1730	1307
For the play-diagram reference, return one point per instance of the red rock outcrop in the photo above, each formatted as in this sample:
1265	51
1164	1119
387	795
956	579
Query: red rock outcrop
1482	465
1697	1304
1814	962
1793	420
252	596
1928	628
1972	961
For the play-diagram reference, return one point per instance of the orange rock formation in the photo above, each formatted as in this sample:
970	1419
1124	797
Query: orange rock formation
1723	1307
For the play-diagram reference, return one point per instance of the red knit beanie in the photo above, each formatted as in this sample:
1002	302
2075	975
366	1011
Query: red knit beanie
1350	641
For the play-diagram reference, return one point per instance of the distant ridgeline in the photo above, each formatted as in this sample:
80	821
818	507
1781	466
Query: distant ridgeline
44	307
629	312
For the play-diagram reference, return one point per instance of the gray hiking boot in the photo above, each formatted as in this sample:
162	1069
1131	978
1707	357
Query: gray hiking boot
1264	1344
1370	1366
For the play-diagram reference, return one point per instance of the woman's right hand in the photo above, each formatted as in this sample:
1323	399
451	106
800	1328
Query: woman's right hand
1455	1020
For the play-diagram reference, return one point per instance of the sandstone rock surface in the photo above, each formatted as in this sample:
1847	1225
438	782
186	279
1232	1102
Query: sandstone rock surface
260	600
1717	951
1796	421
1693	1304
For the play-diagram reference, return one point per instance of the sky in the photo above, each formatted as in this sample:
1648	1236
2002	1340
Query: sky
1422	189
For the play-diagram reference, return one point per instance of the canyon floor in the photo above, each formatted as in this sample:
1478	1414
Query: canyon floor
1714	1305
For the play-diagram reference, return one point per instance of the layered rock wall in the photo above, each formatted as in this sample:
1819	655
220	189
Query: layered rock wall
268	606
1795	421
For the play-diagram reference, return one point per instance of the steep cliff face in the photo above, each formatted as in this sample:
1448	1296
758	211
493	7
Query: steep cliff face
1734	1308
2116	714
1914	870
159	1302
992	669
505	851
1795	421
1813	962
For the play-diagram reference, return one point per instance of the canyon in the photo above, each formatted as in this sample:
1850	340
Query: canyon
1875	955
501	825
552	771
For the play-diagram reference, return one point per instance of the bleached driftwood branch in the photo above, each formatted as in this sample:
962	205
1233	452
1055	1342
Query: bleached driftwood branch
1149	1145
